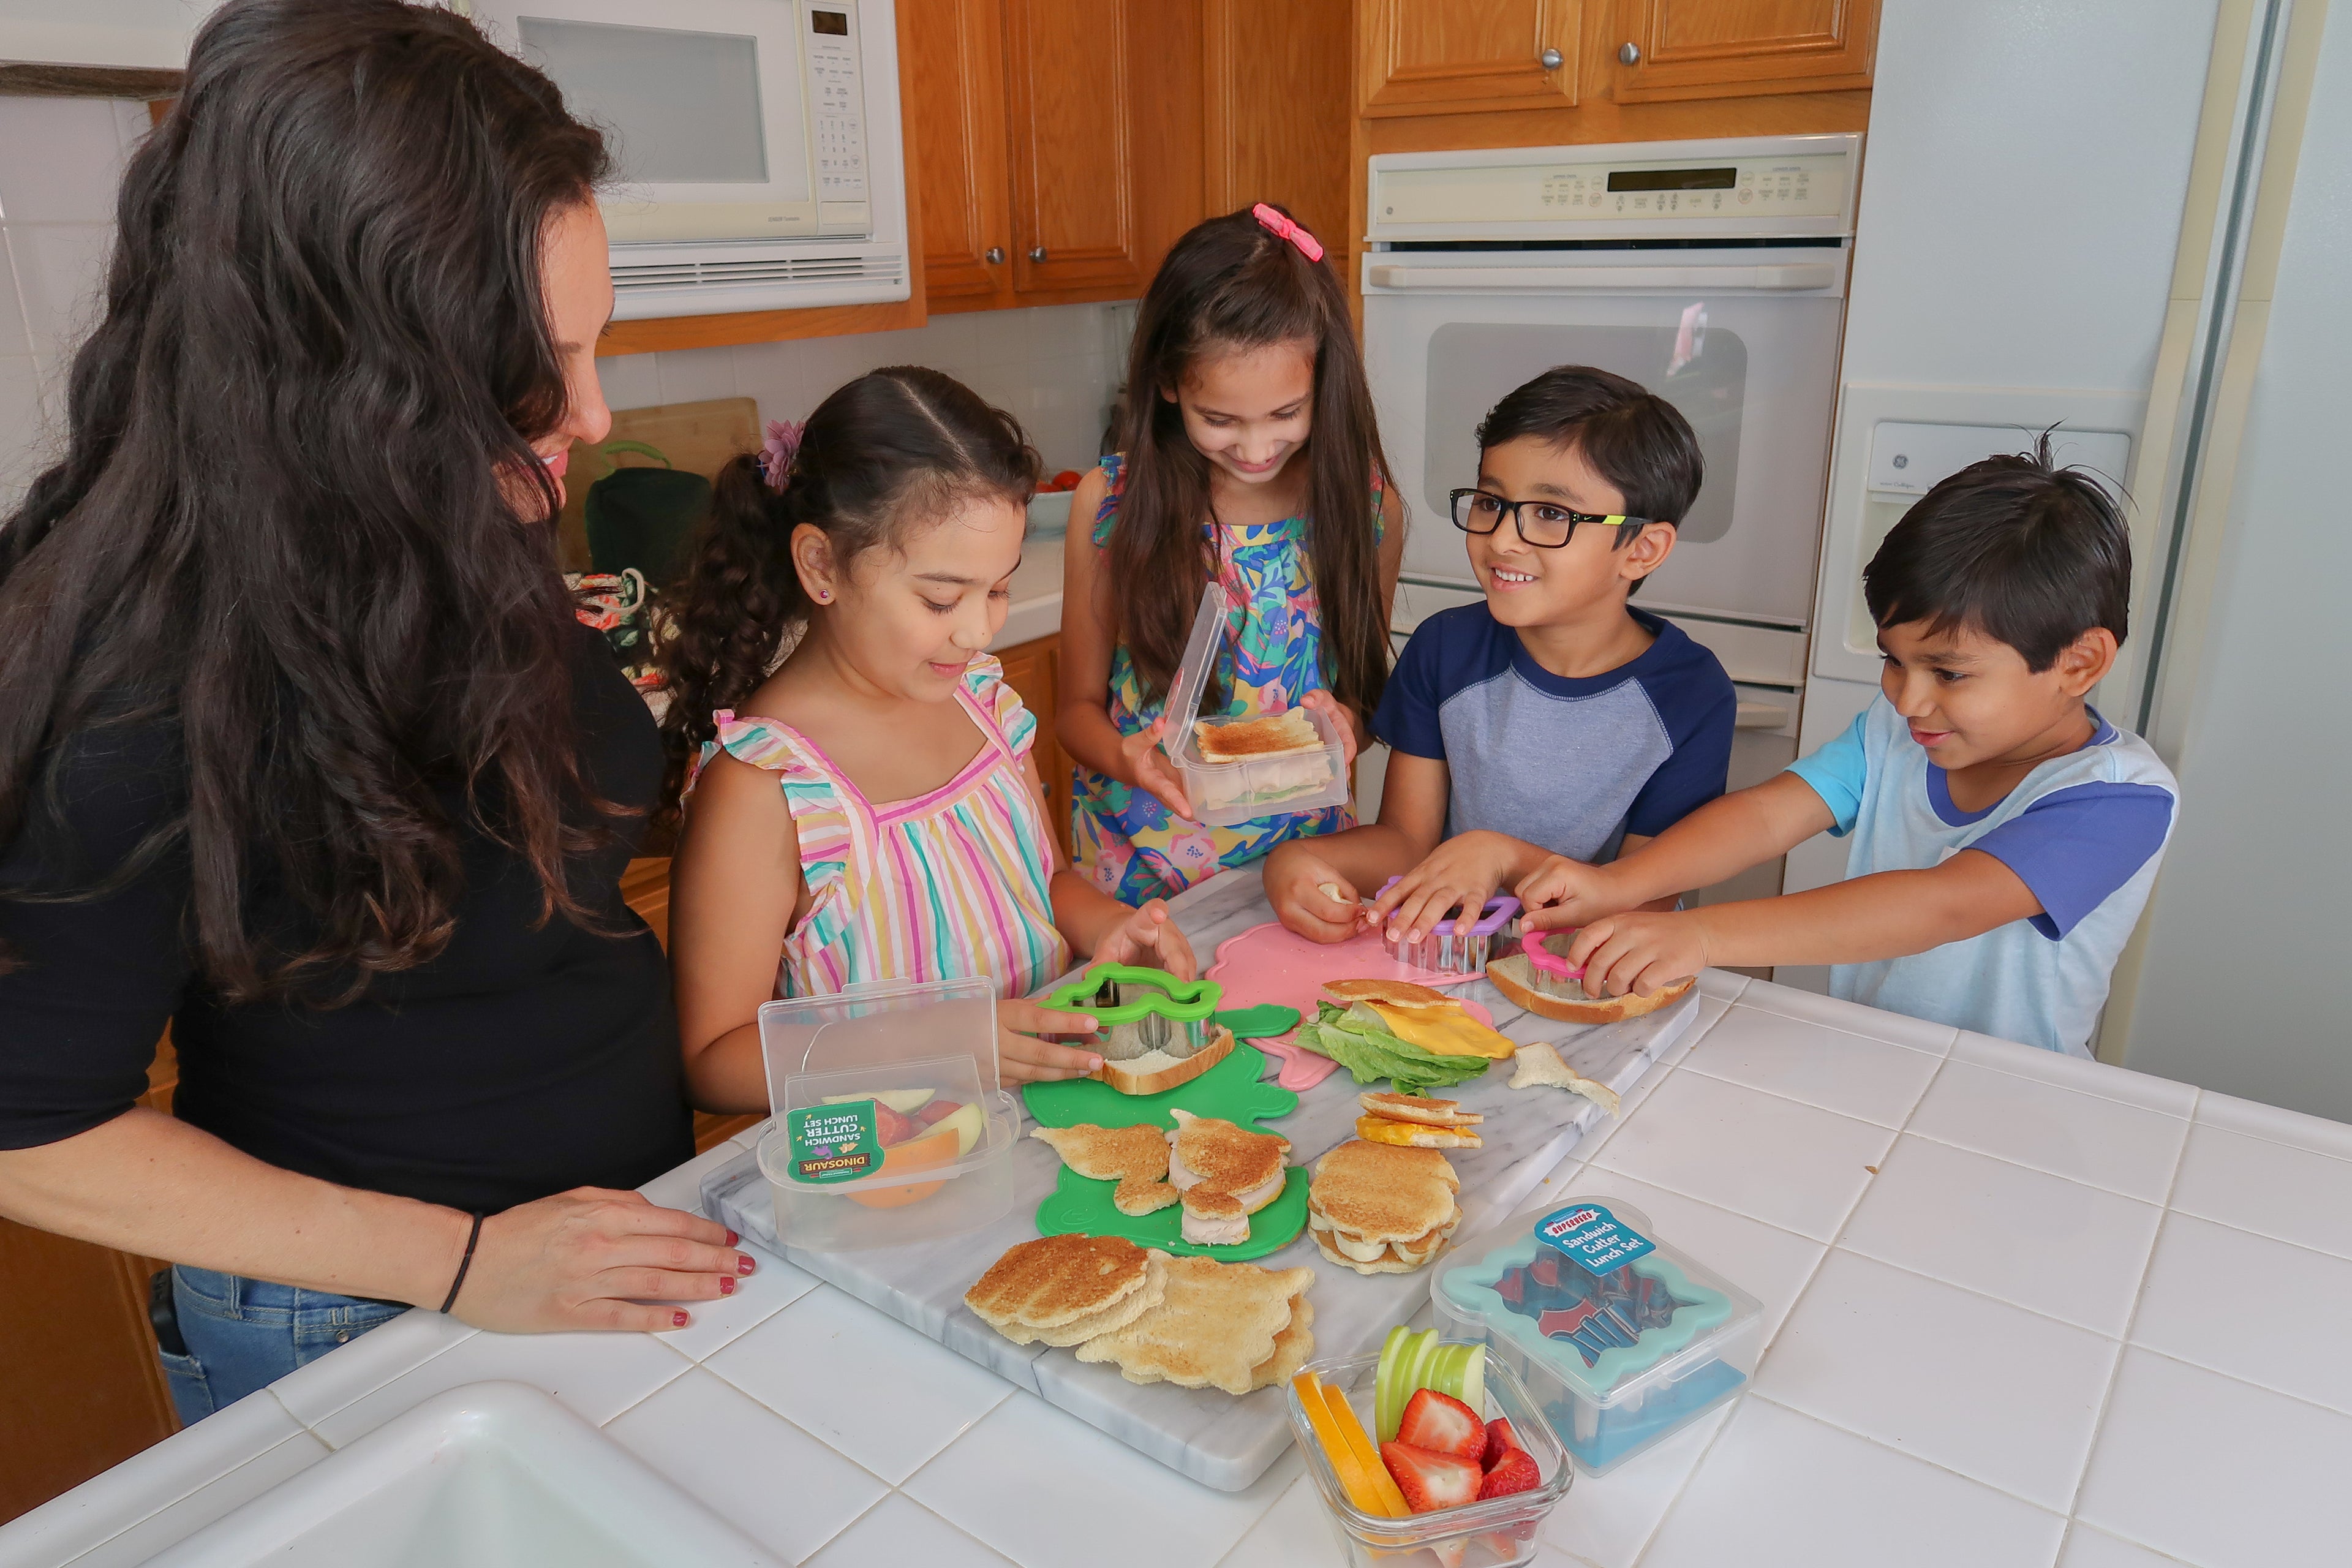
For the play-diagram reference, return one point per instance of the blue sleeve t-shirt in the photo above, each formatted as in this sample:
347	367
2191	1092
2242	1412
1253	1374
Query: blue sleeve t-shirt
2085	832
1572	764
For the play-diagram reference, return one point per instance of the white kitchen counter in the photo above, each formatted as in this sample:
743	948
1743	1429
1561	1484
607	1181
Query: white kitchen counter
2021	1310
1037	608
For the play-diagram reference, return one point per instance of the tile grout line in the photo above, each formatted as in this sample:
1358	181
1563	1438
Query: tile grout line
1978	1482
2131	1318
1765	1349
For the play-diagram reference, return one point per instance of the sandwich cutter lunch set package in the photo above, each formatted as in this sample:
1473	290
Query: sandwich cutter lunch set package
1290	775
891	1126
1620	1338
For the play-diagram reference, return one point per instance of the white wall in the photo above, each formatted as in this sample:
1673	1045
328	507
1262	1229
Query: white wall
61	159
2244	987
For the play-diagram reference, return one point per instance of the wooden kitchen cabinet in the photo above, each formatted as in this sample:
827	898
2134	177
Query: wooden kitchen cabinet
1056	145
1730	48
1034	670
1463	56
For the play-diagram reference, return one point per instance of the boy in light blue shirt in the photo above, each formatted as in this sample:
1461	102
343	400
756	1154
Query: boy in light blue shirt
2005	835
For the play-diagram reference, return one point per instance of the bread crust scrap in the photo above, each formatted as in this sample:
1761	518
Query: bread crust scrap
1512	975
1539	1063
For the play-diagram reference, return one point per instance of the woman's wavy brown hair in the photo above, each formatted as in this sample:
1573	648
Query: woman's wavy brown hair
279	528
1230	284
887	453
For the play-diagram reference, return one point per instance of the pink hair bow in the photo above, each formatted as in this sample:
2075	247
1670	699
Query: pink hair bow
776	452
1282	229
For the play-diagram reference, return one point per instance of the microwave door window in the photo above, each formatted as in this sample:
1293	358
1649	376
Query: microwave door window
679	108
1701	370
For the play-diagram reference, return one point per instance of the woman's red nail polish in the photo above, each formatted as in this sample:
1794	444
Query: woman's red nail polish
744	1263
725	1286
679	1319
732	1238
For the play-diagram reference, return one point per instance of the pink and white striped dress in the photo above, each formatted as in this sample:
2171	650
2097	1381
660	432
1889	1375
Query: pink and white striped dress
951	883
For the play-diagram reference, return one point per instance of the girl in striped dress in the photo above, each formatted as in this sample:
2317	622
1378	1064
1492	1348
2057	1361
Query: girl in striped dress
868	809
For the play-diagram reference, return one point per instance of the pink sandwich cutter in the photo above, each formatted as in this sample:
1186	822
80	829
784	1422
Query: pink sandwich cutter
1552	974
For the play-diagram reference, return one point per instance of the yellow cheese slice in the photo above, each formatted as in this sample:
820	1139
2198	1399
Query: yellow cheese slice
1449	1032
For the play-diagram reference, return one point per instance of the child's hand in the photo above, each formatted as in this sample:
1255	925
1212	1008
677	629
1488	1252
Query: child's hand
1023	1058
1642	951
1341	720
1562	894
1300	885
1152	939
1461	873
1148	768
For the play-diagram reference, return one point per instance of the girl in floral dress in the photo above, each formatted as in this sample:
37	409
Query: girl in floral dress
1250	451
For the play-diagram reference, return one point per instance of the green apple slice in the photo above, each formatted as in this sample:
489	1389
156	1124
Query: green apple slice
1388	1381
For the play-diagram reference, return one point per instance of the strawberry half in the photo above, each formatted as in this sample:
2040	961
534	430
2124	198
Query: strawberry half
1514	1472
890	1127
1500	1440
1430	1481
1442	1425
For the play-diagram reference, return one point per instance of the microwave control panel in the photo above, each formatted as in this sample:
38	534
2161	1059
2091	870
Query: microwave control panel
836	104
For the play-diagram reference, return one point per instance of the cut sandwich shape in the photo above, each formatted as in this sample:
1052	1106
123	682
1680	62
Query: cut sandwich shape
1249	740
1134	1157
1205	1151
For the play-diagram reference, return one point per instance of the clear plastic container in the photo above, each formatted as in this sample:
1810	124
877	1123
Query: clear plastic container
877	1085
1497	1534
1620	1338
1456	946
1223	793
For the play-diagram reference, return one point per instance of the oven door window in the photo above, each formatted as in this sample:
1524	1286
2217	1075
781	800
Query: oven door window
1701	370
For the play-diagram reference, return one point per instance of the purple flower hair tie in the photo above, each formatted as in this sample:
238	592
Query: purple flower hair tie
1282	229
776	452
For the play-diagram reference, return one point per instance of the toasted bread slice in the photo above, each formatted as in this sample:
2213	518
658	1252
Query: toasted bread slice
1055	1280
1513	977
1540	1064
1118	1315
1388	992
1155	1072
1134	1157
1274	735
1214	1218
1378	1191
1418	1108
1215	1328
1415	1134
1206	1151
1292	1347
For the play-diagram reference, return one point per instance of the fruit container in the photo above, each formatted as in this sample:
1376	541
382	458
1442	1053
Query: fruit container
1223	793
1141	1011
1497	1534
891	1126
1454	946
1621	1338
1547	966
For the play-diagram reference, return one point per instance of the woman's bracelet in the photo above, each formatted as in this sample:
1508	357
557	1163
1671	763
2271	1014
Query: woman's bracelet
464	1263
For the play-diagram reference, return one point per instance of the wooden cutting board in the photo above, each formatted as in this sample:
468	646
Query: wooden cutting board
697	437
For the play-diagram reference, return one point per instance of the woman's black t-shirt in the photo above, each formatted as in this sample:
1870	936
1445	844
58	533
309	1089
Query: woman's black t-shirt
530	1057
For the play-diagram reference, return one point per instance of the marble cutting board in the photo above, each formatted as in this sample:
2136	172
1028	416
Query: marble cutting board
1214	1437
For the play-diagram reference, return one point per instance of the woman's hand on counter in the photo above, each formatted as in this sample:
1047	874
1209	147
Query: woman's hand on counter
593	1259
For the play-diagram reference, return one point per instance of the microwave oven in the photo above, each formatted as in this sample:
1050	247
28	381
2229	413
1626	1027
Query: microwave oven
756	144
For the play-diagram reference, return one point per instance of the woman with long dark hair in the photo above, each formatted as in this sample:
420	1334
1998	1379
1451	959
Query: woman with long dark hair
303	751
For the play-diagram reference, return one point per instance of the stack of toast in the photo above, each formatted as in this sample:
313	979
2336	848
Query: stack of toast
1379	1208
1219	1171
1417	1121
1191	1321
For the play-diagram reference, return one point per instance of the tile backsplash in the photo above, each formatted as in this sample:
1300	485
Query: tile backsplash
61	159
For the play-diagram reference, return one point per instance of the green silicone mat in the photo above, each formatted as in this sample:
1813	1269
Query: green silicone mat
1232	1091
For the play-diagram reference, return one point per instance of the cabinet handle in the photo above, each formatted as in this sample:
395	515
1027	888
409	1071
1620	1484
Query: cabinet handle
1549	59
993	256
1037	253
1629	54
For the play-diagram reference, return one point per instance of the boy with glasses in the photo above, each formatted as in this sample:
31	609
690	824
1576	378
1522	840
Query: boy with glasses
1553	719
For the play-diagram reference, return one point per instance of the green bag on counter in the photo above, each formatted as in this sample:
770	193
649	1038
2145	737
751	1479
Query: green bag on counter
644	519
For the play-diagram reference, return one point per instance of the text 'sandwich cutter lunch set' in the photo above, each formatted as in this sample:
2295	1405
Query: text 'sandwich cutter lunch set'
1456	945
1225	793
1620	1338
891	1126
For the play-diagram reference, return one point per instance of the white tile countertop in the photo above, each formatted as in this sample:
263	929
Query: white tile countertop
1037	608
2020	1310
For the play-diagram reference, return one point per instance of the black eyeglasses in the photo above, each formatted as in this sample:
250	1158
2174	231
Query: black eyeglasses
1540	523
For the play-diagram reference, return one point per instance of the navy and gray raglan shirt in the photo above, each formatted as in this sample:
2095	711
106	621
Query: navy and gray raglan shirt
1572	764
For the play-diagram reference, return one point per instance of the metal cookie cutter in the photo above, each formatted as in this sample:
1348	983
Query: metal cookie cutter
1453	946
1552	974
1142	1010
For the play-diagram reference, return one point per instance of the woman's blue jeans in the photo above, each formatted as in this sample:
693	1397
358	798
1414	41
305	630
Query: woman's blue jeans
244	1334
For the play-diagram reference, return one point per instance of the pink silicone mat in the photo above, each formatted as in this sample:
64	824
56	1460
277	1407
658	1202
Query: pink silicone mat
1271	963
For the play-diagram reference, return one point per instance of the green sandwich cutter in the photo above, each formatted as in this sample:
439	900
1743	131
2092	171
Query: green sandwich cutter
1142	1010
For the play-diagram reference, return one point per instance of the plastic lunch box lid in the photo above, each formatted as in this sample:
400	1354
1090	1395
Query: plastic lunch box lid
1466	1289
877	1029
1193	674
1498	912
